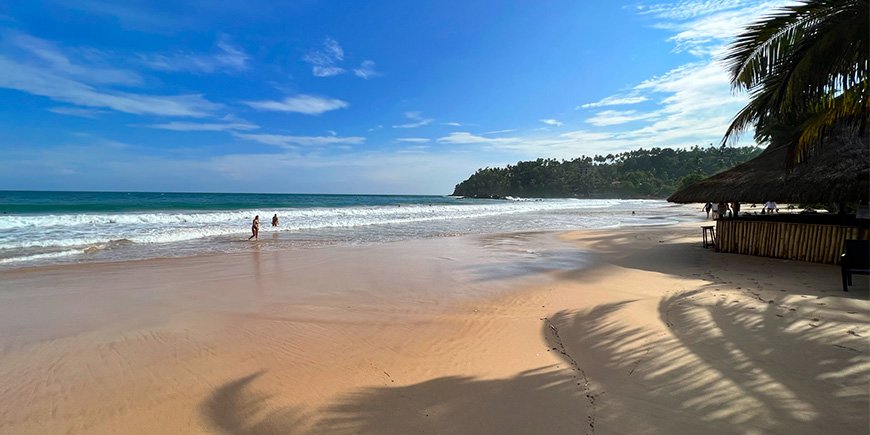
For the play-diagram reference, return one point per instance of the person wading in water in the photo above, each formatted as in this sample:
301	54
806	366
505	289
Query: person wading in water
255	228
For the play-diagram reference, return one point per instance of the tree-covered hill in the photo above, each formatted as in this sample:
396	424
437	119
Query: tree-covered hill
653	173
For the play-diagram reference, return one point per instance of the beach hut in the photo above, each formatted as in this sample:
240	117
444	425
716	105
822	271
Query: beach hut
838	173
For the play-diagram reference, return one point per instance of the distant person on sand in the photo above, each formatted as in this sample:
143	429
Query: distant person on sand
715	208
255	228
707	208
275	220
770	206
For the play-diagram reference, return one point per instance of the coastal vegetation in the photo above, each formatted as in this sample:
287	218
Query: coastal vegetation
641	173
806	68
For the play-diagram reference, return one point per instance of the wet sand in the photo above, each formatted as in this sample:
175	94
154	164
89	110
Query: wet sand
621	331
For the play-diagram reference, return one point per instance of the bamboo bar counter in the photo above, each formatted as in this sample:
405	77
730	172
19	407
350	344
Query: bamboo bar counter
817	239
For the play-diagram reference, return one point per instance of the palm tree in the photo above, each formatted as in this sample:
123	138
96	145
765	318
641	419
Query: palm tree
806	69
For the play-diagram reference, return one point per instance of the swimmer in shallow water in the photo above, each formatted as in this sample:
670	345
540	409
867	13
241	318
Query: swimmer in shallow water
255	228
275	220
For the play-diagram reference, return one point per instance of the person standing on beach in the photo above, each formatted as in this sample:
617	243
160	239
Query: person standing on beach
275	220
255	228
707	208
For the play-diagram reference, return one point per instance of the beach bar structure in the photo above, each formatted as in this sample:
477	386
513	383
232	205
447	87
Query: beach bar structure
839	173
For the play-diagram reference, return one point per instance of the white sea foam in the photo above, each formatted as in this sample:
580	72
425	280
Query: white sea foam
45	256
26	238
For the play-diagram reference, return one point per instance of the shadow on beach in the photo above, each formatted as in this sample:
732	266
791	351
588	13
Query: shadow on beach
722	367
235	408
689	260
768	357
537	401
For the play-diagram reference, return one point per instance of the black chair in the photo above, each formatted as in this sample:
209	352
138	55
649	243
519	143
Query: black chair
855	260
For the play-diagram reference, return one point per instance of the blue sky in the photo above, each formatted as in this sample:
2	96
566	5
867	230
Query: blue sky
348	96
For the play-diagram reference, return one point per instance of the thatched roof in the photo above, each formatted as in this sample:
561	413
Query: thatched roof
840	171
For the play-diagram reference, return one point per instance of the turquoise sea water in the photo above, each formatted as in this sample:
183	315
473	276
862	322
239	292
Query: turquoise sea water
92	202
38	228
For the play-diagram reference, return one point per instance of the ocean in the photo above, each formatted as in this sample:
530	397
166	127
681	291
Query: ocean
42	228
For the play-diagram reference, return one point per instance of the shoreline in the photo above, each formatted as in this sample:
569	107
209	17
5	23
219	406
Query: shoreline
92	238
626	330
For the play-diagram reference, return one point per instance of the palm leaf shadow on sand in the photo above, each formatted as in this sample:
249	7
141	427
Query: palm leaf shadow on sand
235	409
718	370
545	400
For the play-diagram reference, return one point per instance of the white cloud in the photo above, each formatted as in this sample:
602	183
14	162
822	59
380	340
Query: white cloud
305	104
705	34
40	68
501	131
78	111
366	70
689	9
289	141
464	137
693	102
452	124
51	84
413	139
552	122
616	117
227	58
376	128
417	120
132	14
615	100
324	60
326	71
204	126
45	55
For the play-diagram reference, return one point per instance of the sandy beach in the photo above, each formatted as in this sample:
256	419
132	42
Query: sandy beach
619	331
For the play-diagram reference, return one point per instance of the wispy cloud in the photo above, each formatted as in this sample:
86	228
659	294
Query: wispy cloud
684	10
78	111
693	102
305	104
464	137
417	120
228	58
54	85
88	67
452	124
616	117
289	141
226	125
413	139
552	122
510	130
132	14
615	100
705	34
325	59
366	70
38	67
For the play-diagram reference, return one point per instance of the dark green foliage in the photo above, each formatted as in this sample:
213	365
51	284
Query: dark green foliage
654	173
806	67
